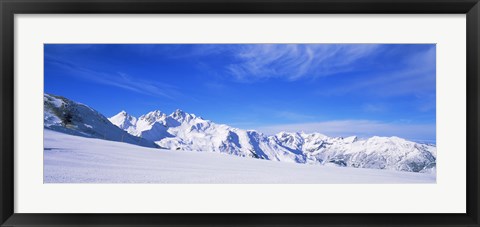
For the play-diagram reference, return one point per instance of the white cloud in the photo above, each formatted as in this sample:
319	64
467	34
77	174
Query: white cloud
295	61
417	78
252	62
362	128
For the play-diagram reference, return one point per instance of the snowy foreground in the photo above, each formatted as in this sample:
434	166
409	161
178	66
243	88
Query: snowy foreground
75	159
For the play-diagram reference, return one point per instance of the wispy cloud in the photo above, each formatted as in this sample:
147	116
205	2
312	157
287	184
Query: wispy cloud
416	78
116	79
362	128
295	61
254	62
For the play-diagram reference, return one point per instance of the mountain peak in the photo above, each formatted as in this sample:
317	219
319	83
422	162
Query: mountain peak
123	120
288	134
179	111
153	116
180	115
154	113
121	115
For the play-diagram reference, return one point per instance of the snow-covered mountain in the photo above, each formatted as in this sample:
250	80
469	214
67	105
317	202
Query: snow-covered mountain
184	131
64	115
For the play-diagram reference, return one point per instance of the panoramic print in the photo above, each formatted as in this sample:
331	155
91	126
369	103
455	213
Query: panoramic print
240	113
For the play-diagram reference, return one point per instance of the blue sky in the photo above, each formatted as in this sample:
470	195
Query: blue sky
335	89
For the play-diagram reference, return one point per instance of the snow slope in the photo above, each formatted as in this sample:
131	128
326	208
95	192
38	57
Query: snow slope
64	115
184	131
75	159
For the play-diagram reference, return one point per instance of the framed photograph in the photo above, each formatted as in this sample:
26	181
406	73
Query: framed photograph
216	113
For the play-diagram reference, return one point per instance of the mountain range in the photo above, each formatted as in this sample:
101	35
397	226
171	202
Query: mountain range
181	130
184	131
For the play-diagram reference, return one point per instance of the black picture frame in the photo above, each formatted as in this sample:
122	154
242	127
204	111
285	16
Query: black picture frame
9	8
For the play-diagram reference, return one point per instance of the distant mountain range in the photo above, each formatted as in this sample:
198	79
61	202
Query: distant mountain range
183	131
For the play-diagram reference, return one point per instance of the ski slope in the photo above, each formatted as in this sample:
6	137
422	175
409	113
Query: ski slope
75	159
